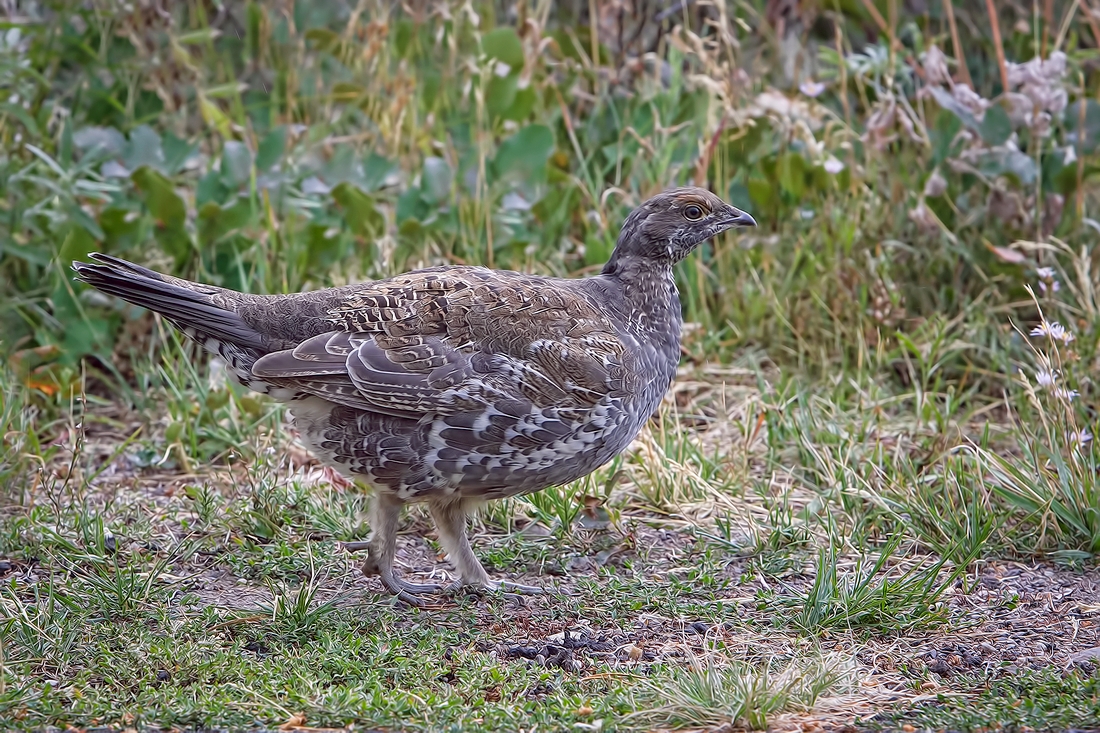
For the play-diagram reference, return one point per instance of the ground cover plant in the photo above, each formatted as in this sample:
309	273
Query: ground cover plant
869	502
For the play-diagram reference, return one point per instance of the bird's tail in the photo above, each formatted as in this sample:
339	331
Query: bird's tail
203	312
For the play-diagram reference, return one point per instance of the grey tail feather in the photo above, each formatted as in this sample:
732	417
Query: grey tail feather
188	305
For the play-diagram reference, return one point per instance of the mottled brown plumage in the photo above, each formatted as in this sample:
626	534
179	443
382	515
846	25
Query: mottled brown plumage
452	385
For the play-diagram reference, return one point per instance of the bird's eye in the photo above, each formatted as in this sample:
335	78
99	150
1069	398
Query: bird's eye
693	212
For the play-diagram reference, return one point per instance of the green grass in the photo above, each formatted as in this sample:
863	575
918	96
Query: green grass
860	505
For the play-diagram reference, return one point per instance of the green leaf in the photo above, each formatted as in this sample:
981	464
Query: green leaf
210	188
18	112
106	139
176	152
500	94
78	243
214	222
944	136
144	149
168	209
523	156
236	164
1012	163
761	192
504	45
435	181
360	211
80	217
323	39
402	37
271	149
376	169
946	101
161	199
522	105
1085	137
122	228
410	207
791	169
995	126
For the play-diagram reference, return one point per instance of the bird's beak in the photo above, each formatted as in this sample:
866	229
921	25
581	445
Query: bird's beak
737	218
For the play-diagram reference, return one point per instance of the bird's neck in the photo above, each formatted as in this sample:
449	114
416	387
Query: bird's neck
650	297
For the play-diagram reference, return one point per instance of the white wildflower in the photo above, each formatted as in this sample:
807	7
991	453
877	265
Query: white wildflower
1047	280
811	88
1080	437
833	166
1050	329
1045	378
1066	395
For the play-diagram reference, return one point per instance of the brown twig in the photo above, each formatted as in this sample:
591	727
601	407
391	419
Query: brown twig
1048	21
960	57
1091	18
998	44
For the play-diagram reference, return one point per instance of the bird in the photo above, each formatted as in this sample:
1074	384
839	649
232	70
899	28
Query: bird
454	385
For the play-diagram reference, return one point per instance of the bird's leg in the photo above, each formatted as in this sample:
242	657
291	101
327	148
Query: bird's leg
382	546
450	523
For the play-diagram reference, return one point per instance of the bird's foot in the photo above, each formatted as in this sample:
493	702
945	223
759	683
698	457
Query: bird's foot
401	588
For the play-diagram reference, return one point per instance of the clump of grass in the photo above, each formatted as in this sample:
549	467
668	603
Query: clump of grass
870	597
1053	476
707	694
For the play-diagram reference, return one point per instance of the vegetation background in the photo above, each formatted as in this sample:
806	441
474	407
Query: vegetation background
871	499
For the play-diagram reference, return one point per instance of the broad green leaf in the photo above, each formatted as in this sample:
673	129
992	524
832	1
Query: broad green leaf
176	152
944	136
402	36
161	199
500	94
523	156
1005	162
271	149
211	188
107	139
78	243
236	164
360	211
995	126
122	228
791	169
761	192
376	169
144	149
410	207
435	181
1084	137
522	105
504	45
214	221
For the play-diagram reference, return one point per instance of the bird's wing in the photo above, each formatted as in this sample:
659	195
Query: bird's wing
452	341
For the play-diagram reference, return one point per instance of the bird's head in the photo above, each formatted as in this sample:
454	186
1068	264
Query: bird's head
667	227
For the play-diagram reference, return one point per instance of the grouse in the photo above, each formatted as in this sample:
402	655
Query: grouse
453	385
